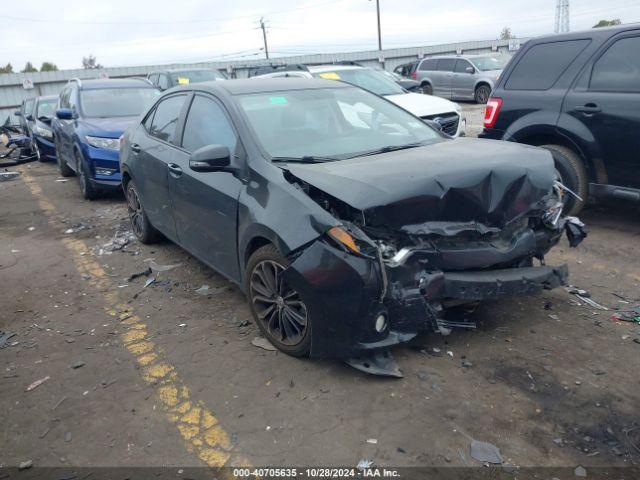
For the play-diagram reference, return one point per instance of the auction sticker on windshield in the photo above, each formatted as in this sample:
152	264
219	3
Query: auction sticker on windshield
330	76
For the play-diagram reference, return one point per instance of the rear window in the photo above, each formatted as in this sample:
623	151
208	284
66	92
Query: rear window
541	66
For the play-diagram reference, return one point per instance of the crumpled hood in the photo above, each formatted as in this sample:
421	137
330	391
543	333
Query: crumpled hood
111	127
421	105
491	182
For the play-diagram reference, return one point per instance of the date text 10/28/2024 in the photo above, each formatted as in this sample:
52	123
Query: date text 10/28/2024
319	472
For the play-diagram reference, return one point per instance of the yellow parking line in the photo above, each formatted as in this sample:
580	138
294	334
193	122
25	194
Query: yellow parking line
197	425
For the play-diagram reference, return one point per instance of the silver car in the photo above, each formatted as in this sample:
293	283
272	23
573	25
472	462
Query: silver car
461	77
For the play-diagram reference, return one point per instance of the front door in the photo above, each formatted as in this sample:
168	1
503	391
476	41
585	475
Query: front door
608	104
205	204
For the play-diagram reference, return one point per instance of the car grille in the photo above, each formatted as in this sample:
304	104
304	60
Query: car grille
448	121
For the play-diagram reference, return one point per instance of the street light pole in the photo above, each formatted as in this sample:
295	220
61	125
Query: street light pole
264	36
381	57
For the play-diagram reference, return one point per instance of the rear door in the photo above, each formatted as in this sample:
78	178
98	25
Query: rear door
206	203
462	82
443	77
606	100
155	147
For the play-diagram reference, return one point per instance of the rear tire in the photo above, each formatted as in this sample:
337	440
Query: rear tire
87	188
573	175
63	168
482	94
427	89
140	224
276	306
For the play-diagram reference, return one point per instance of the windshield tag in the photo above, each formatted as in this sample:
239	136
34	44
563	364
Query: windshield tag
330	76
183	81
278	100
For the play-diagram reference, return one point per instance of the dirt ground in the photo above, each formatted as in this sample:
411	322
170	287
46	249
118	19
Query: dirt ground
165	376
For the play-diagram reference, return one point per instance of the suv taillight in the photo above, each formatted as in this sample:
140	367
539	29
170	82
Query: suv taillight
414	75
491	112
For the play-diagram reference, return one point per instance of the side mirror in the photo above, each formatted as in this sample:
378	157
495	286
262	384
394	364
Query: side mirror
29	117
434	125
17	113
210	158
64	114
470	70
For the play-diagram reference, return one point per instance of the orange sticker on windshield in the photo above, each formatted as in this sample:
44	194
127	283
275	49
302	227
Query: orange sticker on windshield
330	76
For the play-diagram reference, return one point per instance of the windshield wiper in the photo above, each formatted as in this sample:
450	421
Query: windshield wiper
303	159
389	148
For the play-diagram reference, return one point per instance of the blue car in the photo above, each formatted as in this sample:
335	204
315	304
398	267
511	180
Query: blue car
39	125
91	117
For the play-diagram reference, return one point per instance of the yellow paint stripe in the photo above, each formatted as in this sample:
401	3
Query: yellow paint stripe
197	425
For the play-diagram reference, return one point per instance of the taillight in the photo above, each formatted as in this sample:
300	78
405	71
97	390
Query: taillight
491	112
414	75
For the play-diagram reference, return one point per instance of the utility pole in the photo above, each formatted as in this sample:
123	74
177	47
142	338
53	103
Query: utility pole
264	36
381	57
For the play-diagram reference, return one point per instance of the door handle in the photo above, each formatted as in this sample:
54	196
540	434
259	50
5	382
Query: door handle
589	108
174	169
135	148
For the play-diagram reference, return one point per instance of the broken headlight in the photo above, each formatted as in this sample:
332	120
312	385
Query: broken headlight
552	216
351	242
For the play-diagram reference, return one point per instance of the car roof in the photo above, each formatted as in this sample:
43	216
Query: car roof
262	85
178	70
594	32
96	84
332	68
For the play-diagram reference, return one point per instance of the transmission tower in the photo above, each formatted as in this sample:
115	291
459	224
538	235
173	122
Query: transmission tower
562	16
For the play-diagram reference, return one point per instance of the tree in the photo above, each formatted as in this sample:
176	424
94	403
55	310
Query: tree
607	23
8	68
28	68
90	62
506	34
48	67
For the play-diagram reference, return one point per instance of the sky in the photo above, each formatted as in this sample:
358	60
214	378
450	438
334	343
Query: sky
149	32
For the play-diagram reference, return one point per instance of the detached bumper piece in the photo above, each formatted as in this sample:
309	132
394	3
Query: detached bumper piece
503	283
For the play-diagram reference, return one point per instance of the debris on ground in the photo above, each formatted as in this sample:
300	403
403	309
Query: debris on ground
206	290
58	403
485	452
67	437
7	176
120	240
584	297
37	383
77	364
372	441
377	363
262	342
424	376
632	315
25	465
78	227
4	337
144	273
364	463
580	471
156	267
149	281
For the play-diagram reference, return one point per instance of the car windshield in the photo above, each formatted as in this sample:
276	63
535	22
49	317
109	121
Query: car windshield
116	102
46	108
371	80
497	62
196	76
331	124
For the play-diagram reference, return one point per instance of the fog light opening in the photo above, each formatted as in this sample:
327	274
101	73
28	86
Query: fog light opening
381	323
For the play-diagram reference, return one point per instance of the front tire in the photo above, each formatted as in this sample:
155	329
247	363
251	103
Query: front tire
573	175
482	94
277	308
140	224
87	188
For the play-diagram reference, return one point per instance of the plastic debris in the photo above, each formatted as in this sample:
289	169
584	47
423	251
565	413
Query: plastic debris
156	267
373	441
584	297
262	342
485	452
25	465
118	242
592	303
4	337
149	281
7	176
144	273
206	290
77	364
377	363
364	463
37	383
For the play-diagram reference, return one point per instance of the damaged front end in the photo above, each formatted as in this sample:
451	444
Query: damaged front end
382	277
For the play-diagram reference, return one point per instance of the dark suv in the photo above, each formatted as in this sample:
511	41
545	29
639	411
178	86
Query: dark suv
578	95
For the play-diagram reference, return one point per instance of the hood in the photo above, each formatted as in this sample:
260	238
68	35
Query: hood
111	127
487	181
422	105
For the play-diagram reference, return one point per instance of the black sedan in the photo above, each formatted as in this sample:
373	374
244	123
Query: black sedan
350	224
